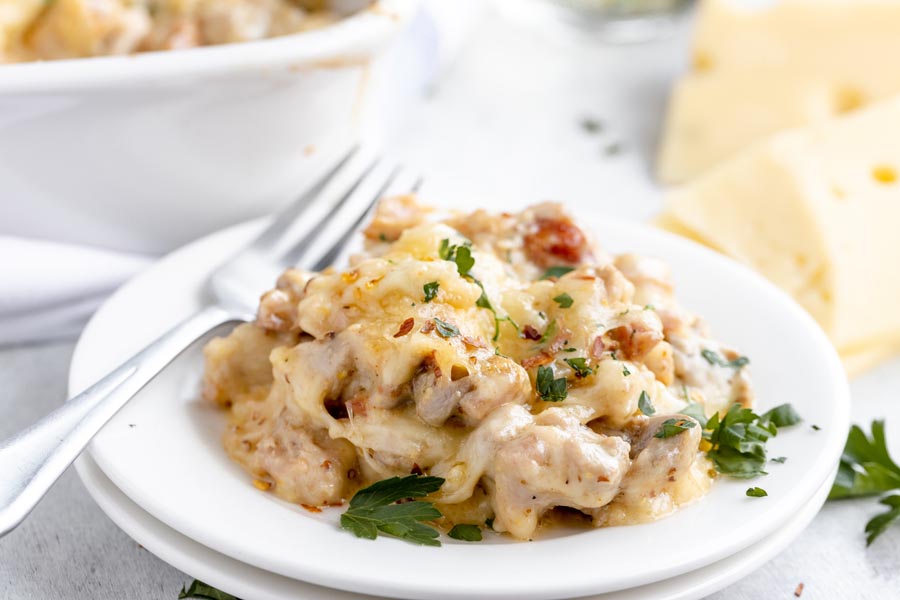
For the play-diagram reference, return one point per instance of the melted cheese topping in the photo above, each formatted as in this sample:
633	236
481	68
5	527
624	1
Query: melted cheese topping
349	377
41	30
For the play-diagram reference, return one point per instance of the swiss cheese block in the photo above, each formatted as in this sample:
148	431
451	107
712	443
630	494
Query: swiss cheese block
817	211
842	35
714	115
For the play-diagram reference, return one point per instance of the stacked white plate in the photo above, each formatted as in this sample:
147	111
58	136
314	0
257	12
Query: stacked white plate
158	469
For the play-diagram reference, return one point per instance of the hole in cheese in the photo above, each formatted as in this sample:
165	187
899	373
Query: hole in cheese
847	99
702	61
884	174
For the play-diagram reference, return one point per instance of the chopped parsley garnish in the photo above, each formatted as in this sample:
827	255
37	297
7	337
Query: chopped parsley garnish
579	365
780	460
625	370
550	389
738	440
461	254
564	300
570	349
198	589
445	329
591	125
556	272
673	427
382	237
373	510
645	404
649	307
466	533
757	492
714	359
815	427
431	290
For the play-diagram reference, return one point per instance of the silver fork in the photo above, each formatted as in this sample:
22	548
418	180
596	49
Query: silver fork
310	234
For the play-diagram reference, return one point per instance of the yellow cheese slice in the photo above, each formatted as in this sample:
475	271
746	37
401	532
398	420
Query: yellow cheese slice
817	211
712	116
822	35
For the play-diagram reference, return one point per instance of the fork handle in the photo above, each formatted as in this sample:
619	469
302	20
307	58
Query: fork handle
31	461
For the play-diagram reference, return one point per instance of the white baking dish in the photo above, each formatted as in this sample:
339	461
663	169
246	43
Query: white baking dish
145	152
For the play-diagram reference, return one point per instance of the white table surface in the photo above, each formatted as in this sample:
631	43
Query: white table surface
500	130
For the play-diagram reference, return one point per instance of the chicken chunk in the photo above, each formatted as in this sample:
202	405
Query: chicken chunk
557	462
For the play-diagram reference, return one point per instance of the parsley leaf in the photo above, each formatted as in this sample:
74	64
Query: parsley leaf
466	533
579	365
373	510
625	370
549	389
645	404
781	416
757	492
564	300
198	589
866	467
445	329
714	359
780	460
672	427
879	524
431	290
464	260
556	272
461	254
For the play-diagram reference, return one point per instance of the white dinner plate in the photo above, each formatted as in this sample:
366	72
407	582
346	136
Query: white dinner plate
250	583
163	449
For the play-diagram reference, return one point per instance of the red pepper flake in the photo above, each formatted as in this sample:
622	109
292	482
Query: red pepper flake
416	469
428	327
799	591
530	333
405	327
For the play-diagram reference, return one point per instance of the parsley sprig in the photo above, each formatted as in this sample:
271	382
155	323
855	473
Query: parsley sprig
737	440
373	510
867	469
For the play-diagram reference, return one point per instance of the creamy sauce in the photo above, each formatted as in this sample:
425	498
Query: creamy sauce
349	377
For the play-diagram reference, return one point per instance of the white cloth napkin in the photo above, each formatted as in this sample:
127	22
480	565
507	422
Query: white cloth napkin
48	290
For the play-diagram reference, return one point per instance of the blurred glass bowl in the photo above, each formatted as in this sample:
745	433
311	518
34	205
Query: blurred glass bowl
614	21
